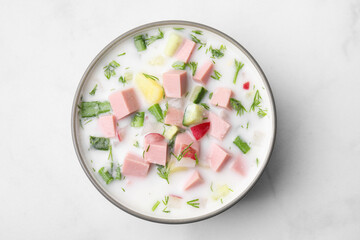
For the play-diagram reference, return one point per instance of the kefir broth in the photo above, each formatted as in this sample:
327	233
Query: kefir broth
141	193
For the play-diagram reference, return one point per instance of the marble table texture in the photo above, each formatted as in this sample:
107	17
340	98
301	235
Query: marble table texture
310	52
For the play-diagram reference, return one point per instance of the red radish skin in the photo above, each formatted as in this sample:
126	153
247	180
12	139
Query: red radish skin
153	137
200	130
189	152
118	134
246	85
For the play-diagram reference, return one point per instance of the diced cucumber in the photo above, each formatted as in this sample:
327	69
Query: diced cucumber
93	109
100	143
138	119
179	65
171	132
157	112
241	144
193	115
139	42
172	45
128	76
197	94
104	107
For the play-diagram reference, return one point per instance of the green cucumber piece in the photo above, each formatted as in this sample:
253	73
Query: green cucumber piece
171	132
138	119
197	94
157	112
193	115
100	143
139	42
241	144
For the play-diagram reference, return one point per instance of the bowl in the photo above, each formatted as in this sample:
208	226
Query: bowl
75	122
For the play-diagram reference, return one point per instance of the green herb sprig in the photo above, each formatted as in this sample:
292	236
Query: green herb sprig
216	75
194	203
151	77
151	39
237	106
196	40
238	66
93	91
163	172
193	67
109	70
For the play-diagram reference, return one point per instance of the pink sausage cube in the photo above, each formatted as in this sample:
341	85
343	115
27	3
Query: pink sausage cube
174	83
221	97
218	126
174	116
186	138
239	166
155	149
193	181
134	165
107	125
185	50
202	75
124	102
217	157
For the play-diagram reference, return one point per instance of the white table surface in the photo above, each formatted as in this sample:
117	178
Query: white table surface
310	52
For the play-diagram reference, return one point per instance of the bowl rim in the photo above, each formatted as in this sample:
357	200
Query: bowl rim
77	97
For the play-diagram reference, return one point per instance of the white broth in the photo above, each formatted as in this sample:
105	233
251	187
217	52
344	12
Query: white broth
217	189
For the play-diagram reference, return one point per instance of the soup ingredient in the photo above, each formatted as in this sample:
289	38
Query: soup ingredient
139	42
172	44
109	70
185	50
179	65
134	165
217	157
237	106
93	109
194	180
261	113
155	206
155	147
218	126
200	130
193	67
93	91
185	138
239	166
106	176
196	40
203	74
171	132
174	83
107	125
256	101
193	115
194	203
157	112
163	172
124	102
246	85
221	97
221	192
174	116
216	75
238	66
216	53
100	143
241	144
151	90
138	119
151	39
197	94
